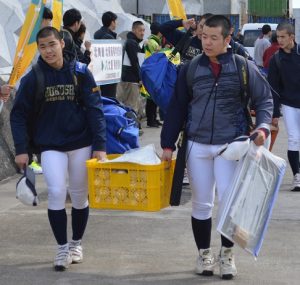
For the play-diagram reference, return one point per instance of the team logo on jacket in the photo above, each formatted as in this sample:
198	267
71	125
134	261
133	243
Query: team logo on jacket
60	93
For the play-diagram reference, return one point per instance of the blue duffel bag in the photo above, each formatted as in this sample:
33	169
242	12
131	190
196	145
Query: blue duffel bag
159	76
122	131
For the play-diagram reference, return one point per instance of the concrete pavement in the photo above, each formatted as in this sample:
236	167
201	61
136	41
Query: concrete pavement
122	247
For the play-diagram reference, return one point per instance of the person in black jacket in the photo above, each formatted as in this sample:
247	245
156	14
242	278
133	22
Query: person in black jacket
283	76
69	128
72	21
128	91
193	46
106	32
109	20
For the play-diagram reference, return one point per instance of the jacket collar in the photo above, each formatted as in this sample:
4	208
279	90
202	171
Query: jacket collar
106	30
132	36
222	58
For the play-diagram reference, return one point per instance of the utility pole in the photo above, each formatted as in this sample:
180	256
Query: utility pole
295	7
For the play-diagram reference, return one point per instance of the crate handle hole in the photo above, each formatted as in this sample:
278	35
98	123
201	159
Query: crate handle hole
120	171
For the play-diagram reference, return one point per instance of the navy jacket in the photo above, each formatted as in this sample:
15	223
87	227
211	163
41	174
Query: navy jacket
170	32
214	113
104	33
62	123
72	49
285	80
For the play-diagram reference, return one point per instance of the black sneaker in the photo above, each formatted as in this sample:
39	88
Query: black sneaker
158	122
153	125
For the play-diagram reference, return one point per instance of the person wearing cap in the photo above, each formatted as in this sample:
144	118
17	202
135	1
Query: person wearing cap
71	23
214	114
69	128
107	32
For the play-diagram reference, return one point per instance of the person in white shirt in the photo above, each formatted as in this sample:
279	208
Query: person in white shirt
261	44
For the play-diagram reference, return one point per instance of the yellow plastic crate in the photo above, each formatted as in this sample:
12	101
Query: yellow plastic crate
129	186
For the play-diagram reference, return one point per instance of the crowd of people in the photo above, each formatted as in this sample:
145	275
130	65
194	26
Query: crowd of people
71	127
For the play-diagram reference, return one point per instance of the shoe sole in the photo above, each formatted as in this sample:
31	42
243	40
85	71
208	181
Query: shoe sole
296	189
227	276
76	261
60	268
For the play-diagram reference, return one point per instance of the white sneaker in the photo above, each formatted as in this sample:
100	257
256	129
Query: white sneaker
63	258
76	251
296	183
206	262
227	265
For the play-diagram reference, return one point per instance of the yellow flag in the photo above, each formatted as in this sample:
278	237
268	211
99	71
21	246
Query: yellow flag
26	47
57	10
176	9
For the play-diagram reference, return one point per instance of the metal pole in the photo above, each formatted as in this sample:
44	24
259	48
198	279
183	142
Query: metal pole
137	7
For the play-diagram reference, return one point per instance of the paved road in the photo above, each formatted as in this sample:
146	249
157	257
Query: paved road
134	248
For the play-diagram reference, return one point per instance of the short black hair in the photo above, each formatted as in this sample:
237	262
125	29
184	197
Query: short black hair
71	16
290	29
81	30
205	16
136	24
274	37
154	27
48	31
47	14
266	29
108	17
219	21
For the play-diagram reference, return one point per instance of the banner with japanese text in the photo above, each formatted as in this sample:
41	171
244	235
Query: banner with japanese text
106	63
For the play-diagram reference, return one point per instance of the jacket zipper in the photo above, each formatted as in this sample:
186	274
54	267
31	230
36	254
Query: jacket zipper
213	115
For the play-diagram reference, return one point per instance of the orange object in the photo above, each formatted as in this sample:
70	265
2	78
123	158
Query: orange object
274	133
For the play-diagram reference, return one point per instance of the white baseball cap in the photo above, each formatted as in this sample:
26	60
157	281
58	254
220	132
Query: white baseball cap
25	188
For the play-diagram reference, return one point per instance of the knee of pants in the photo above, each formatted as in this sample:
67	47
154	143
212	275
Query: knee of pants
202	211
294	144
56	198
79	200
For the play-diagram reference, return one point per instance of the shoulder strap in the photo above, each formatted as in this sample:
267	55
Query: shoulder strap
77	75
190	74
277	60
243	73
39	89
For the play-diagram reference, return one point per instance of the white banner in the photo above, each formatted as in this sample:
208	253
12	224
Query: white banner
106	63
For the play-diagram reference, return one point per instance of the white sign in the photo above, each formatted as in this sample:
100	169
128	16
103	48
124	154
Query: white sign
106	61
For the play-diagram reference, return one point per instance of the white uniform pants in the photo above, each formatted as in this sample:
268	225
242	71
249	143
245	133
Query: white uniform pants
57	168
291	117
205	171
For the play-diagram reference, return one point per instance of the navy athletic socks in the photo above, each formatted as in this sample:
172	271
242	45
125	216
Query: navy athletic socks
79	222
293	157
202	232
58	222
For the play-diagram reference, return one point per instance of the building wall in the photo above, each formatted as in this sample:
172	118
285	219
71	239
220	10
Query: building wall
145	7
217	6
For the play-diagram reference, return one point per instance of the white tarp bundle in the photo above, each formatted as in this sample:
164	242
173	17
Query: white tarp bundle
245	212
